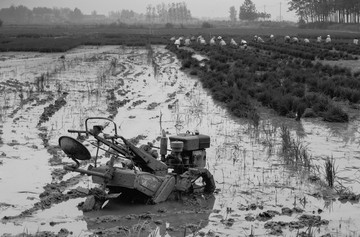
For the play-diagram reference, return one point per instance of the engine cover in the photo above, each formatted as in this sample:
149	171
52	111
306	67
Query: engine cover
192	142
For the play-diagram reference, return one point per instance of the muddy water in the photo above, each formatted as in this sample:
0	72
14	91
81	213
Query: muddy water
244	160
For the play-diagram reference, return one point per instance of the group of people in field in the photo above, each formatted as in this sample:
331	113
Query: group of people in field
295	39
181	41
319	39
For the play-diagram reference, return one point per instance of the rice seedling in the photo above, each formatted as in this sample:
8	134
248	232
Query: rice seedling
58	86
101	75
235	154
179	123
150	54
139	229
3	106
39	82
269	139
309	232
252	231
155	232
160	123
294	151
113	64
193	228
330	173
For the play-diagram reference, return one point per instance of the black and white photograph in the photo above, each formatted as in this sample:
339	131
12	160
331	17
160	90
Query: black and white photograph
192	118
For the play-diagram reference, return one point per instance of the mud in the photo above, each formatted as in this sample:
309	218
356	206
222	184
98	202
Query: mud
52	109
258	192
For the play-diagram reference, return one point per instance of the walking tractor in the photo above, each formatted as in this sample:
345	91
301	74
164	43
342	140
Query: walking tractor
180	169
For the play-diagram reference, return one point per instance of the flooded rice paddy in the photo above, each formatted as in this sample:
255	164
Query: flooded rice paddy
259	193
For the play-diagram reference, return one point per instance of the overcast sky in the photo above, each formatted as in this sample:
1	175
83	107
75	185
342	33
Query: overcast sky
198	8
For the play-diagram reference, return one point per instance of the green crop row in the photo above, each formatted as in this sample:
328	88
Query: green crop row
290	85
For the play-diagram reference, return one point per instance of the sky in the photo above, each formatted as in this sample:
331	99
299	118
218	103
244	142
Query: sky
198	8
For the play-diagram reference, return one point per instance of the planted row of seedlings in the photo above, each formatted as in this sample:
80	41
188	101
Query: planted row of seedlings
43	43
215	77
339	47
311	51
343	47
343	43
291	86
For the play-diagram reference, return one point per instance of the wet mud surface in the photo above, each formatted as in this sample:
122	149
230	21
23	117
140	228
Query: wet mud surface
258	192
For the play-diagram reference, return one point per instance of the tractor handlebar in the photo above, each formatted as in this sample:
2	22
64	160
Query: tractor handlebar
76	131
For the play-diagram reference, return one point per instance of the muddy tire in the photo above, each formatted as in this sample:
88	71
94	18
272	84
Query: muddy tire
208	178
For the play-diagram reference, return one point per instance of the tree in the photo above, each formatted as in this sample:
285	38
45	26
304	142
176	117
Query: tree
1	22
19	14
299	6
150	13
169	26
341	11
178	13
76	15
248	11
233	14
206	25
162	12
264	15
42	10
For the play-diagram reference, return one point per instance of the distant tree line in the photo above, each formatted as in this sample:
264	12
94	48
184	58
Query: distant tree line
39	15
125	16
170	13
247	12
337	11
161	13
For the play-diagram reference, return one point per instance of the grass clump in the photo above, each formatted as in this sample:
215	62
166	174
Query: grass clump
330	171
293	150
335	114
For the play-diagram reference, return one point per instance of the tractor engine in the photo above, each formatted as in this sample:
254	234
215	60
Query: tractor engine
146	177
187	151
